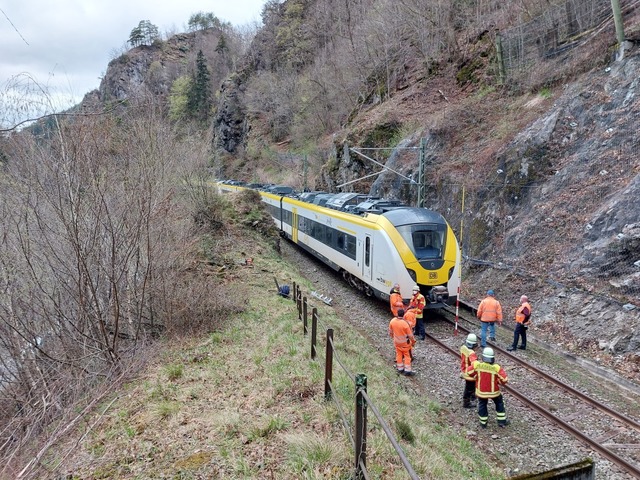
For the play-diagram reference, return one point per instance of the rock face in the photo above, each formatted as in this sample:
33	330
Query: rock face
230	123
149	69
559	212
580	217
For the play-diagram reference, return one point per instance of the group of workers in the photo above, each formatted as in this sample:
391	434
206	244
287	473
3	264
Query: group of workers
483	377
407	324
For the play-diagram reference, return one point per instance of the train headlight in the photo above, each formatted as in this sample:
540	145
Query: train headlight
412	274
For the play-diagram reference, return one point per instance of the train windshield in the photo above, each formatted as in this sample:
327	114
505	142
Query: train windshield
426	240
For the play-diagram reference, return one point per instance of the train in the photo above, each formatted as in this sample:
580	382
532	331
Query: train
374	243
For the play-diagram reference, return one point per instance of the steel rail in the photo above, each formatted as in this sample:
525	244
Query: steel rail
605	452
591	401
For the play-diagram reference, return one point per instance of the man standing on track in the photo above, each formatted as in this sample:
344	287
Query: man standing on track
418	303
467	357
489	376
403	341
395	299
489	312
523	319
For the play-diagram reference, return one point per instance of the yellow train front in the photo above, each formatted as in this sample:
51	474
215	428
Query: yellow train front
374	244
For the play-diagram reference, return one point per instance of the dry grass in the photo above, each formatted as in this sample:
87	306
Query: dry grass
245	401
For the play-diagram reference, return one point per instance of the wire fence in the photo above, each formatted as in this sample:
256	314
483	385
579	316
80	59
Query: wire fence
548	46
354	419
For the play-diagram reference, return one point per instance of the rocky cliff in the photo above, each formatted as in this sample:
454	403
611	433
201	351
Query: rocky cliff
543	186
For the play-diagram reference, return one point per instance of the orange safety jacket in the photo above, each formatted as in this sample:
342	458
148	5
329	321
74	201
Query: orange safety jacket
410	317
401	333
418	303
467	357
523	314
490	310
488	378
395	302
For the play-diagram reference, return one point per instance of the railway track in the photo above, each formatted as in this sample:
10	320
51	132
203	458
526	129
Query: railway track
532	443
613	434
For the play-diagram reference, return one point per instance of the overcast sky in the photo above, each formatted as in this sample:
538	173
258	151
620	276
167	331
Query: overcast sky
66	45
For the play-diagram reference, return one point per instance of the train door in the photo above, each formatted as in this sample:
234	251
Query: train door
294	225
367	260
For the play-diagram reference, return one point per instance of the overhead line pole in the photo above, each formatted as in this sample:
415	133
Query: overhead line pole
423	150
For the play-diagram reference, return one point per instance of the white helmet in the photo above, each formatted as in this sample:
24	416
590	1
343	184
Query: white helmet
472	340
487	354
416	288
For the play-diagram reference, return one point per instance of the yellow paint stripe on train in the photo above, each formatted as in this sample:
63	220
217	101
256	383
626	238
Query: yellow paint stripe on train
352	232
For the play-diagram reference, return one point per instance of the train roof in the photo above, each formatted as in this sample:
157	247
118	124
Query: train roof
407	215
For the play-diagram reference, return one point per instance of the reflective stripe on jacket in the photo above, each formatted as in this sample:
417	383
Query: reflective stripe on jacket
467	357
488	378
418	302
401	333
490	310
523	314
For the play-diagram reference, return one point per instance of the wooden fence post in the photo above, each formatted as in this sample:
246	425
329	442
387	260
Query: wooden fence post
314	330
328	365
304	314
361	426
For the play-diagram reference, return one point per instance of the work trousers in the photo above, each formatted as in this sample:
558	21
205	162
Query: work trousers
483	413
520	332
419	329
483	332
469	391
403	358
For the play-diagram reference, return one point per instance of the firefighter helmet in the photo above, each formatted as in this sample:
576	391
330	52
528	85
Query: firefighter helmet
488	355
472	340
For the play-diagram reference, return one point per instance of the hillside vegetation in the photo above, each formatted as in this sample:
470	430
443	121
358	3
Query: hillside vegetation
108	223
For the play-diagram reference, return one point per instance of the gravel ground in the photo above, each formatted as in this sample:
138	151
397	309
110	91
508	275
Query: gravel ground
529	444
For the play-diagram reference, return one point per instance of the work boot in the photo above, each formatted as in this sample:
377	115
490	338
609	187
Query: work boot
511	348
493	339
400	372
504	423
409	374
522	347
483	425
467	404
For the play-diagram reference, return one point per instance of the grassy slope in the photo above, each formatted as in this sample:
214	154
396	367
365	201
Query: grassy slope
247	401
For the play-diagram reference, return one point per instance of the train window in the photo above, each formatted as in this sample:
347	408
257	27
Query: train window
351	246
425	240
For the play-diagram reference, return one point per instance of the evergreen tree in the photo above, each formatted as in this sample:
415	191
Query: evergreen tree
144	34
199	102
221	47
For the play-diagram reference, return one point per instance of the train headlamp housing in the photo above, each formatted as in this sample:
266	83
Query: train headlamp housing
412	274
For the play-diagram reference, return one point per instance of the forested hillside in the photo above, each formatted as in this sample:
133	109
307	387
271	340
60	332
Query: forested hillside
525	114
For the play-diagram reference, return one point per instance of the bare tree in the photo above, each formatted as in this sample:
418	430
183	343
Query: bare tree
89	243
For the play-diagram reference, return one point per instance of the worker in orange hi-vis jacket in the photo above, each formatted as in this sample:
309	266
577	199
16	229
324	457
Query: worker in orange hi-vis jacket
523	320
410	318
489	376
489	312
418	302
403	341
395	300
